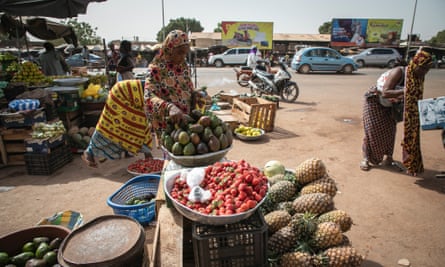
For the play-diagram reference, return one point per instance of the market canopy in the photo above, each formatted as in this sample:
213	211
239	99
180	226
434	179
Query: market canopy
38	27
46	8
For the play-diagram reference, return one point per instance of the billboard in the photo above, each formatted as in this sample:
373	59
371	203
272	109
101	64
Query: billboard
239	33
366	32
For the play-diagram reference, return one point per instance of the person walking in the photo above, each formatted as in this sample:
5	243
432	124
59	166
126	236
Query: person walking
125	65
252	58
52	62
85	55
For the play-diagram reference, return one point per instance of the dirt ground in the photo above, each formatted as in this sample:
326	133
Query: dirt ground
395	216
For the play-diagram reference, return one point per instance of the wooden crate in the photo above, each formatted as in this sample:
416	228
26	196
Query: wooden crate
12	145
255	112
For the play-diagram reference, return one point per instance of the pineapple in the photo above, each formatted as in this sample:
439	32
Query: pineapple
338	216
328	234
324	185
287	206
276	220
283	240
268	205
277	177
281	191
296	259
341	256
309	171
304	224
316	203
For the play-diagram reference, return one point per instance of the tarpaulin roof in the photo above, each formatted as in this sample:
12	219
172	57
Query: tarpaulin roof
46	8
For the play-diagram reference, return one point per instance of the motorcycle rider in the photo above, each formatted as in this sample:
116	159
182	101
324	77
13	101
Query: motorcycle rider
252	58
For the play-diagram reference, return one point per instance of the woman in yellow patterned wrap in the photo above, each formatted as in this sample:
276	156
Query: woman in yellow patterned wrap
122	126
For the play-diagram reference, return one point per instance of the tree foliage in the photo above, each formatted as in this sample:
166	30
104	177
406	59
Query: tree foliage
183	24
86	34
218	28
325	28
438	40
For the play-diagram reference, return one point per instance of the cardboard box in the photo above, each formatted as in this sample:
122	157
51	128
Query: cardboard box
22	118
432	113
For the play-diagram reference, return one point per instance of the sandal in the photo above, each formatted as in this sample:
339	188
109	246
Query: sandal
364	165
89	162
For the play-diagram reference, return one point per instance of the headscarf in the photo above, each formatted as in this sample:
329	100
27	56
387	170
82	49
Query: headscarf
412	156
123	120
168	82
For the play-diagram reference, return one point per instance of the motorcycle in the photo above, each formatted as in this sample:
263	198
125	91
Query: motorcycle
280	83
243	75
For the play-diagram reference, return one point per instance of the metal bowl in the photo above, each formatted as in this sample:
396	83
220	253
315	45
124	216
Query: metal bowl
250	138
70	81
169	181
198	160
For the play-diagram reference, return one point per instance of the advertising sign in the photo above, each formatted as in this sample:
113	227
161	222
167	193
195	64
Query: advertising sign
366	32
238	33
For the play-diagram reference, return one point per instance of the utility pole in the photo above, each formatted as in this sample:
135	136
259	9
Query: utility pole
163	23
411	32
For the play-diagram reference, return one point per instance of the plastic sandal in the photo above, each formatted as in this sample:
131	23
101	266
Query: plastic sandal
364	165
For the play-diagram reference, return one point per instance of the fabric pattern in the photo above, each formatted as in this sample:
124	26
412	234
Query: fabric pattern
412	156
123	121
379	128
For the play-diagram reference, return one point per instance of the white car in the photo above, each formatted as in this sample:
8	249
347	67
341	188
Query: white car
233	56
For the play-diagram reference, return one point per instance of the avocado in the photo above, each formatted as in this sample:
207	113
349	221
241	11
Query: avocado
215	121
189	149
196	114
40	239
229	136
224	143
202	148
55	243
50	258
168	142
29	247
183	138
22	258
196	128
4	258
204	121
35	263
218	131
41	250
207	134
195	139
214	144
177	149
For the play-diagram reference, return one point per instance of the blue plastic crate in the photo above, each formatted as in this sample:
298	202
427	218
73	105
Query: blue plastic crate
138	186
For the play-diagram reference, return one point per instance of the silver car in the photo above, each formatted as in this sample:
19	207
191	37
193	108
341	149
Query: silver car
381	57
233	56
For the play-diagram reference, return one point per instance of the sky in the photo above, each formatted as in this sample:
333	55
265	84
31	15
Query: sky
125	19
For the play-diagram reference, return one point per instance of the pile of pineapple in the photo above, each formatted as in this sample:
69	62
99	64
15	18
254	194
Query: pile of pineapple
305	229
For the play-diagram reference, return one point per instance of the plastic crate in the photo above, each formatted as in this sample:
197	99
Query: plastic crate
44	145
255	112
46	164
239	244
138	186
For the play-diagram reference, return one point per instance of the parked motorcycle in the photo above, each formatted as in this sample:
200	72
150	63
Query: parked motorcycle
243	75
280	83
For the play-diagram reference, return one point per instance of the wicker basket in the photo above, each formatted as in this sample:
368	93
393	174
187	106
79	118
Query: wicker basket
139	186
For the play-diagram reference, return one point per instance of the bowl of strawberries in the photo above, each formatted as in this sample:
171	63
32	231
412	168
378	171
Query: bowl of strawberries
227	192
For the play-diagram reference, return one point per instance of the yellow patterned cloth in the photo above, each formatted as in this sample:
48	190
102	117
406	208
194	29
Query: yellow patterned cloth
123	120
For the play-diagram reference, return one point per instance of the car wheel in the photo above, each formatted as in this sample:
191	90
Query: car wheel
391	64
304	69
219	64
347	69
360	63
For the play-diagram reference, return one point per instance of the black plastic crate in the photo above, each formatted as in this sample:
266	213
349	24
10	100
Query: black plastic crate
241	244
46	164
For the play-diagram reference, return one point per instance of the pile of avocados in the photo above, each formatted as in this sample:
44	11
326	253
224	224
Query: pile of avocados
198	133
38	252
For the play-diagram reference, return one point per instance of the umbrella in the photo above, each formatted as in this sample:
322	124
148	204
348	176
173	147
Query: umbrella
46	8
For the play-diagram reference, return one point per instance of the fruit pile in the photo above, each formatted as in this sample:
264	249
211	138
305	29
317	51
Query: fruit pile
248	131
235	187
80	137
30	74
197	134
304	227
41	251
44	130
94	93
148	165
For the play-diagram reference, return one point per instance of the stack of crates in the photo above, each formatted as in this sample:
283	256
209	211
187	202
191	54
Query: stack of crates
241	244
47	156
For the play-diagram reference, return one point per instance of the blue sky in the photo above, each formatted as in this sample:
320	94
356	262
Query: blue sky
124	19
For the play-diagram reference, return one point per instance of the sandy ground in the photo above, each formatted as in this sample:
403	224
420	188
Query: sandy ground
395	216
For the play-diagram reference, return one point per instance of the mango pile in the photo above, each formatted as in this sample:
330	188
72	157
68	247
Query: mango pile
197	134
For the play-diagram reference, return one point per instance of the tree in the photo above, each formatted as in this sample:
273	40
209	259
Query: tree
182	24
325	28
218	28
438	40
86	34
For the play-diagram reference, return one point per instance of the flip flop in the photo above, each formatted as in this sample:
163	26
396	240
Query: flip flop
89	163
364	165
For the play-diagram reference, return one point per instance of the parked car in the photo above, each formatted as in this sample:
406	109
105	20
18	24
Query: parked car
76	60
381	57
233	56
321	59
